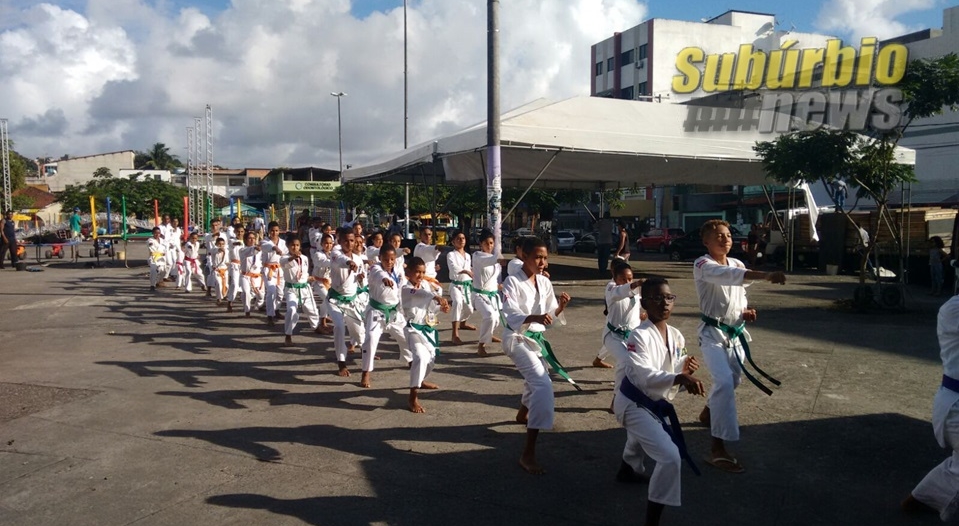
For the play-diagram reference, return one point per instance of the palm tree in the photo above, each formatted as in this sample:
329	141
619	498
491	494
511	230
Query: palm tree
159	158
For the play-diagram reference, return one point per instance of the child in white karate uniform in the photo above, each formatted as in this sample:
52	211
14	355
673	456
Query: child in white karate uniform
221	267
623	312
385	314
530	302
157	248
649	374
272	249
722	301
191	264
461	286
486	273
421	300
209	241
345	275
236	244
251	273
298	296
321	280
428	252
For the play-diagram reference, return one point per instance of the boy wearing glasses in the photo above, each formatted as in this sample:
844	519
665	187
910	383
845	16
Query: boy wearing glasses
720	286
654	368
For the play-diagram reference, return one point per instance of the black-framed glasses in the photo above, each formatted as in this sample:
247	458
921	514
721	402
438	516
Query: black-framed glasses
659	298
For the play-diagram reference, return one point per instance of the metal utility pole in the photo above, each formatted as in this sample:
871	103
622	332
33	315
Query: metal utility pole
494	186
339	126
190	175
198	182
209	164
5	149
406	118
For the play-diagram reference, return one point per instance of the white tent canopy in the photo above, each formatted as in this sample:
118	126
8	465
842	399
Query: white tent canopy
586	142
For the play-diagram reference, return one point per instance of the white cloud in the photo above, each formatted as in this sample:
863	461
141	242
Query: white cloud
124	74
877	18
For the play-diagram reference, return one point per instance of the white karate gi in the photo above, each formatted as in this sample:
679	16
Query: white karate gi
515	268
191	266
420	307
429	254
175	253
321	271
461	306
521	298
166	234
345	314
272	275
722	295
940	488
157	259
376	320
651	366
486	272
622	312
251	278
234	272
209	241
298	296
221	269
362	296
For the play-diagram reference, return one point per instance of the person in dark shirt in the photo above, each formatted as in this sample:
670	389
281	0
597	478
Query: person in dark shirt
9	238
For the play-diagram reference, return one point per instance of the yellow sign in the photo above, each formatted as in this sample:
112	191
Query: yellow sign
788	68
310	186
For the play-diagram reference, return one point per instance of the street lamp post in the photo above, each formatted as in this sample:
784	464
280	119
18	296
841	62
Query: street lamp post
339	126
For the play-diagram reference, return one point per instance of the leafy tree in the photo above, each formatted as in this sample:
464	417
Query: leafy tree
157	158
139	194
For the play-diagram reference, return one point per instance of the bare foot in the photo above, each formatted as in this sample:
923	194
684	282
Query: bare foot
914	505
522	416
288	341
342	371
248	315
497	339
352	349
428	385
229	307
270	320
704	417
365	379
481	351
530	465
219	302
464	325
598	362
414	403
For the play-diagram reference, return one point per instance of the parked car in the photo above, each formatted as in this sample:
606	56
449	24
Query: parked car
691	246
565	240
658	239
586	243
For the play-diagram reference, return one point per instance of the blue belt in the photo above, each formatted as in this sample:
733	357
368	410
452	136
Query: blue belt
737	332
663	410
950	383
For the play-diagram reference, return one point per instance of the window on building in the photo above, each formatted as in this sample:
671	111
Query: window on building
642	52
235	181
626	57
627	93
642	89
610	64
599	68
253	181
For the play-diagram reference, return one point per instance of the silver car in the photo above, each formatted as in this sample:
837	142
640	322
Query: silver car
565	241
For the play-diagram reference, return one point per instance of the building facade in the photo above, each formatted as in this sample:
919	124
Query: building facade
79	170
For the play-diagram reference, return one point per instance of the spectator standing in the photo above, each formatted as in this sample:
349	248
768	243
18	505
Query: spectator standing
604	242
840	192
9	238
76	223
622	248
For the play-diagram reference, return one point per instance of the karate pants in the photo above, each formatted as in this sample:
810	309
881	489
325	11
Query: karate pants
361	304
273	292
726	376
294	306
375	327
940	488
645	434
345	317
234	276
252	287
157	271
460	310
170	262
487	308
537	388
614	347
322	303
424	356
191	269
221	282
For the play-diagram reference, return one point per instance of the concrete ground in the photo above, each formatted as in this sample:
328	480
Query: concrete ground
118	406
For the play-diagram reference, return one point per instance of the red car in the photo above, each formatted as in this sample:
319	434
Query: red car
658	239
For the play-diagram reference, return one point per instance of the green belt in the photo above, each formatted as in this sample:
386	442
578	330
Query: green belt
546	351
737	332
623	333
493	295
334	295
387	310
430	333
467	288
298	287
363	290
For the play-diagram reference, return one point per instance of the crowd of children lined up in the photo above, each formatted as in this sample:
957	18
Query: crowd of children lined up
359	288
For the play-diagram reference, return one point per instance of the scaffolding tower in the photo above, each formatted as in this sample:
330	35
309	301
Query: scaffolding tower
190	176
5	149
209	163
196	196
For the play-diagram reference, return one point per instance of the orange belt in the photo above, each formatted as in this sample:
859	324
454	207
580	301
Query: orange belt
222	273
235	261
273	268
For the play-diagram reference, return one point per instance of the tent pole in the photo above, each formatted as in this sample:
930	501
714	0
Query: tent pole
494	180
530	187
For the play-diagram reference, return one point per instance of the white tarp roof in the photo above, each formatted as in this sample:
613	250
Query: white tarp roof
618	143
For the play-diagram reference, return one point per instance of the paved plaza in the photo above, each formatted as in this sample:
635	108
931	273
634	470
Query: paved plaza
118	406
